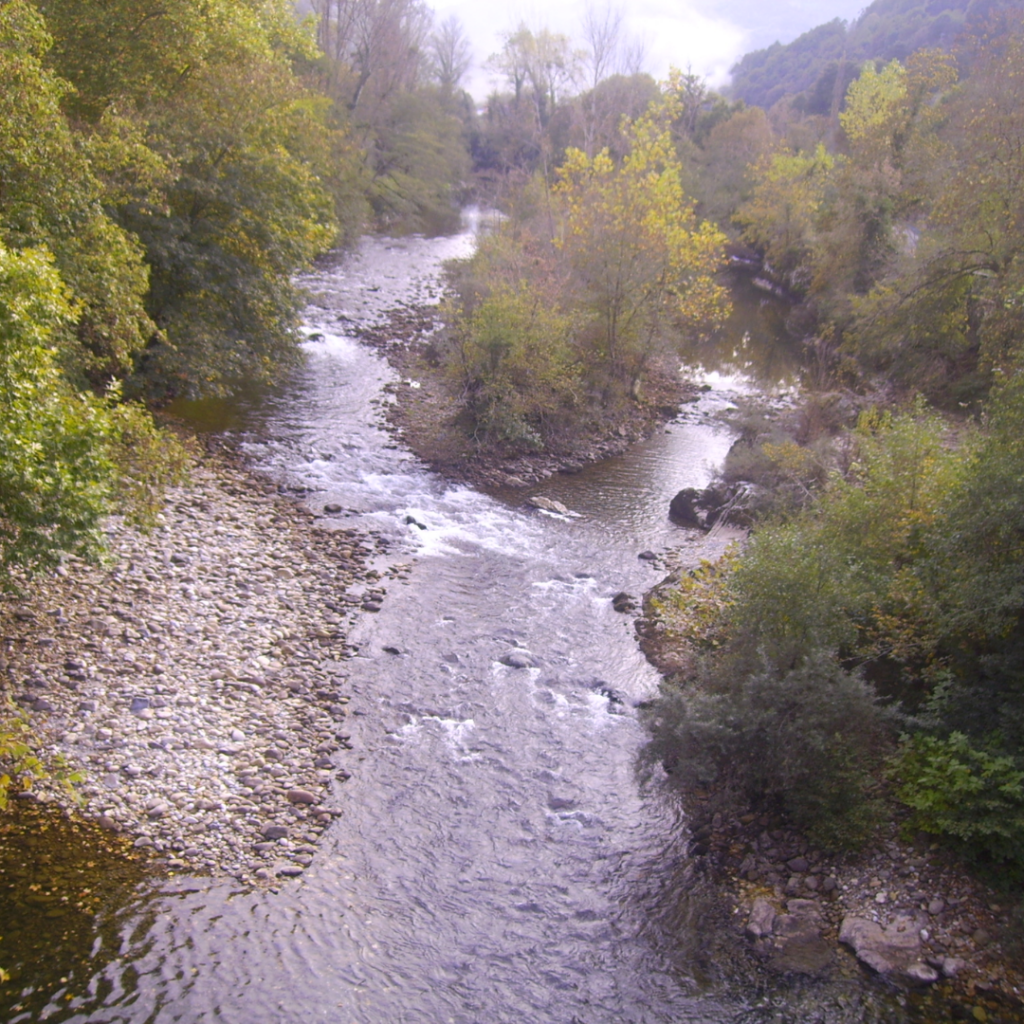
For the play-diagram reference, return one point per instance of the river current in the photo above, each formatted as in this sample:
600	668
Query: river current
502	856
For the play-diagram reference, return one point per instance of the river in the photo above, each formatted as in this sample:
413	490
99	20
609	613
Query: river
502	857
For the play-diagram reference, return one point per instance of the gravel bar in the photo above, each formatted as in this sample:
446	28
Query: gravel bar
197	677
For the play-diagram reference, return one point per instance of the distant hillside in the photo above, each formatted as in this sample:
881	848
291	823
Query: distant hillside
886	30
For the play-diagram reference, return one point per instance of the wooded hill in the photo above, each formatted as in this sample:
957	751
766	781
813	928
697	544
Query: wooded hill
887	30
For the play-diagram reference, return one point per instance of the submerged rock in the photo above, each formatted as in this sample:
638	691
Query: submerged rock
792	941
799	946
518	659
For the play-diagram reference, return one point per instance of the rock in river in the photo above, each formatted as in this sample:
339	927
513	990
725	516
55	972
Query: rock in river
792	940
518	659
683	508
547	505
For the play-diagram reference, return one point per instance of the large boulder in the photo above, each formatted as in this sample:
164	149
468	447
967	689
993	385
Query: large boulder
893	951
736	504
684	508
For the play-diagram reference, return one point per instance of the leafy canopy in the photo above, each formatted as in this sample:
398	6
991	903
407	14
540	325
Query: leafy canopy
642	265
66	457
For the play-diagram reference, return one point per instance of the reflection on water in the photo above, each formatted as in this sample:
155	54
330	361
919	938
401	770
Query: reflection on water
64	887
753	342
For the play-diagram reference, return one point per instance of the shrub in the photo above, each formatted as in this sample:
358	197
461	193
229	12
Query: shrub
21	762
845	574
514	359
966	794
18	763
693	607
802	741
67	458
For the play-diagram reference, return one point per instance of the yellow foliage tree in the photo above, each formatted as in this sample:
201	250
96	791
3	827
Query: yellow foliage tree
642	266
780	218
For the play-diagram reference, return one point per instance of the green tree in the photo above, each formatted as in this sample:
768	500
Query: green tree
965	794
847	574
802	741
890	125
516	364
52	197
821	614
781	218
212	89
733	150
420	164
67	458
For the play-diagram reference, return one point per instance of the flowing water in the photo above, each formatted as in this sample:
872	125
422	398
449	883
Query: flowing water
501	857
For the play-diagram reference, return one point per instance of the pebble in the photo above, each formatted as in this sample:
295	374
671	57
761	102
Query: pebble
196	650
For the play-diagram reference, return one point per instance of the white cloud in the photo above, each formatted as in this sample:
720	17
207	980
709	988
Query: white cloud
674	34
707	35
680	35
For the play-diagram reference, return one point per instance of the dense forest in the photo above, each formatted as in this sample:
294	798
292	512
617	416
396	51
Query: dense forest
166	168
807	69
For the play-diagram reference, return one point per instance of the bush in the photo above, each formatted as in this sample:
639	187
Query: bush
692	609
965	794
803	741
66	458
515	363
18	763
21	762
851	572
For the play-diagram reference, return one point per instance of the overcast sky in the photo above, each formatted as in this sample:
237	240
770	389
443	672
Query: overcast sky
707	35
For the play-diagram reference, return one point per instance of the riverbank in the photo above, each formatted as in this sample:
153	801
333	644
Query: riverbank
425	408
909	912
197	678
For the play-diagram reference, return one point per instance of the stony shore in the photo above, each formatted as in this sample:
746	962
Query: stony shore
197	677
909	911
